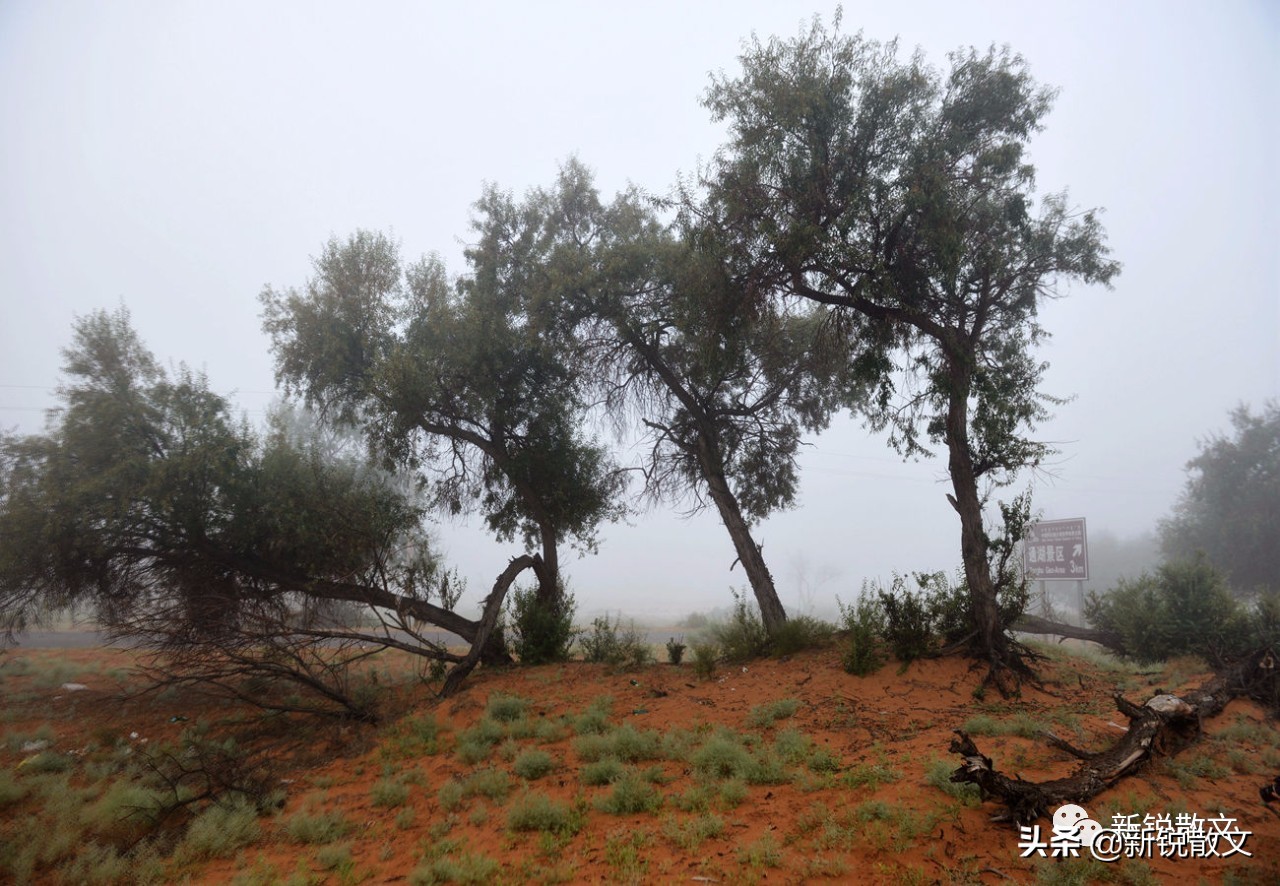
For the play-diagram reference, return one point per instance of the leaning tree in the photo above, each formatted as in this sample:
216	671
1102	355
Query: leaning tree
717	390
902	195
228	552
449	377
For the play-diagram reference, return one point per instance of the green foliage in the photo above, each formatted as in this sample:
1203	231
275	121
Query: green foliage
220	830
865	624
630	796
938	774
743	637
800	632
609	643
541	631
317	828
828	130
505	709
693	832
532	764
768	714
537	812
1181	609
1231	505
463	868
605	770
389	793
705	657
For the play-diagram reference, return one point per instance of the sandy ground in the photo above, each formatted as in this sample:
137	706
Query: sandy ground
870	810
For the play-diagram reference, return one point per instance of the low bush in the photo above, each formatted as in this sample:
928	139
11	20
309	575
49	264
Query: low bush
608	642
1182	608
864	624
541	632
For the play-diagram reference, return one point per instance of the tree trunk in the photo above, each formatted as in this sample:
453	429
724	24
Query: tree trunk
488	621
992	643
547	569
771	611
1034	624
1164	724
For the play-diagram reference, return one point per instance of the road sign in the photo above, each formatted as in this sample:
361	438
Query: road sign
1056	550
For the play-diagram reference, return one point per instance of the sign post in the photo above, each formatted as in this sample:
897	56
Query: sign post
1058	550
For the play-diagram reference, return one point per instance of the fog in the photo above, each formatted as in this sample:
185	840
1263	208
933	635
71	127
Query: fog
176	157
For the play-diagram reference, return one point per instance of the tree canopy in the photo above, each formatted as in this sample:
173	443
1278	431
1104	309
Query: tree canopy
901	194
1230	508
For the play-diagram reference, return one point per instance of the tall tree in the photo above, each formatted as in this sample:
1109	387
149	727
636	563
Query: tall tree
1230	508
721	390
902	195
449	376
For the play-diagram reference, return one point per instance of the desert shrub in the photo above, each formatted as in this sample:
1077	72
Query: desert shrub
603	771
723	757
864	624
1180	609
463	868
533	764
389	793
800	632
595	719
743	637
537	812
630	795
317	828
705	656
541	632
691	833
219	831
506	708
675	651
609	643
768	714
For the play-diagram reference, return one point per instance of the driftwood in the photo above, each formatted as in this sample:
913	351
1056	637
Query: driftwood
1163	725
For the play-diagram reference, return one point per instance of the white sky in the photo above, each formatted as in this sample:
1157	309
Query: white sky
176	157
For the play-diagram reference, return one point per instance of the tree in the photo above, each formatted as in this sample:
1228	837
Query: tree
901	196
225	551
1230	508
721	390
451	378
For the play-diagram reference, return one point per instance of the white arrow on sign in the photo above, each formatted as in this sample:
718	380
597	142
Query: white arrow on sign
1077	550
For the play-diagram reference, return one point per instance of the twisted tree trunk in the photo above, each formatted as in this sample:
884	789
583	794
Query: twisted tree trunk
1163	725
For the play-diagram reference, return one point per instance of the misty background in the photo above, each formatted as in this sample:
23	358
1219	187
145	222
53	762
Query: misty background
176	157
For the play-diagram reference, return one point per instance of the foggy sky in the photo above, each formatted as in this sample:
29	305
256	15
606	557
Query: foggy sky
176	157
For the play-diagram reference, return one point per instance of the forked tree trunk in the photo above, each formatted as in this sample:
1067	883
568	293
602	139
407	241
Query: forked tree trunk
1163	725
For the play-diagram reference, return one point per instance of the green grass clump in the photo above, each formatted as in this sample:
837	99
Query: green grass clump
764	852
389	793
533	764
317	828
869	775
630	796
601	772
705	658
477	743
506	708
595	719
219	831
461	867
692	832
722	757
537	812
800	632
1020	724
938	774
765	715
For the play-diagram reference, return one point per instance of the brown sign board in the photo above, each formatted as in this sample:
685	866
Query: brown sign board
1056	550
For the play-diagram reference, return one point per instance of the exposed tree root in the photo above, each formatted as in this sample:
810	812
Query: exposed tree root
1163	725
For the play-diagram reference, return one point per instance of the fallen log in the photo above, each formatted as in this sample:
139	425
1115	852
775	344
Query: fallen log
1034	624
1165	724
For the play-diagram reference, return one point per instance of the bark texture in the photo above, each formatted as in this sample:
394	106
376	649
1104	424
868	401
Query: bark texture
1163	725
488	621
